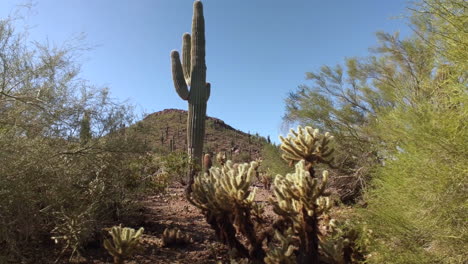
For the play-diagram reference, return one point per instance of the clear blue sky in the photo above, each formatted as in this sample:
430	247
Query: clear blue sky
257	51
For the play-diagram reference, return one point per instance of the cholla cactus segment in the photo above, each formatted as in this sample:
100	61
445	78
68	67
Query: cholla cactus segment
174	237
223	188
284	253
297	191
221	158
345	242
125	242
307	144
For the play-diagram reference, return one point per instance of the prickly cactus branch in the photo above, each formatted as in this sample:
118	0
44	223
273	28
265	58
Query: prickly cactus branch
125	242
224	188
192	72
175	237
300	200
221	158
227	199
298	191
284	253
307	144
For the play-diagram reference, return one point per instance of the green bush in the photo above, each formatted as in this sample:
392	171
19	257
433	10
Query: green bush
175	164
68	164
272	162
417	206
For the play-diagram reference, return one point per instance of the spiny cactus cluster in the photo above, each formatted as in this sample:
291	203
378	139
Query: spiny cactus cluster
175	237
227	200
284	253
298	192
307	144
125	242
226	197
222	189
192	72
300	201
221	158
344	243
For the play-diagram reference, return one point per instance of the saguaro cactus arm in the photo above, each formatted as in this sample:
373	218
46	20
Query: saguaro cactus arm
180	83
186	57
208	91
198	44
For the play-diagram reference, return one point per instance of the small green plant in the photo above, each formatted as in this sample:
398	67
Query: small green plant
125	242
273	163
175	237
160	181
72	230
175	164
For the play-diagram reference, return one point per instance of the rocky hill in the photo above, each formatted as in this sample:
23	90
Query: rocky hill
165	131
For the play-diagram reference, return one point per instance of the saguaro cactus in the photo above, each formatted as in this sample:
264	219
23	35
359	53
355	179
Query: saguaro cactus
192	72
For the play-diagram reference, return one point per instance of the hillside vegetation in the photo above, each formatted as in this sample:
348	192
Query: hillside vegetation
166	131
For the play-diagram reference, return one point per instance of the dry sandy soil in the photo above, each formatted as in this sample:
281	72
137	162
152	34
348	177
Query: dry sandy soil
171	210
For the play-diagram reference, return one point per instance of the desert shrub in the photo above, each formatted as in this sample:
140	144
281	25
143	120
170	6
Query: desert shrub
272	162
175	164
69	164
417	206
241	157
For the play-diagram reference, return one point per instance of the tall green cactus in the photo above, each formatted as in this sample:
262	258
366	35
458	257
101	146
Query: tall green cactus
192	72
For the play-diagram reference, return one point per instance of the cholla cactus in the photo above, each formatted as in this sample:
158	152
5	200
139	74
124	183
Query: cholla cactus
174	236
221	158
285	252
307	144
125	242
333	248
298	191
344	243
223	188
300	201
225	196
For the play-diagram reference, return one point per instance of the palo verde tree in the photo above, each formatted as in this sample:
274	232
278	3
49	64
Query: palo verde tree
419	197
403	107
347	101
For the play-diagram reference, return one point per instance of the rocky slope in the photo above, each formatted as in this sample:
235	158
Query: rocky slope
165	131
